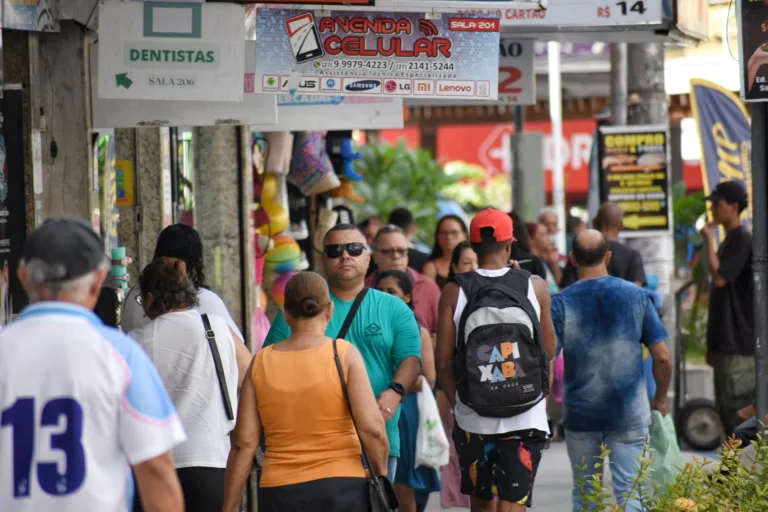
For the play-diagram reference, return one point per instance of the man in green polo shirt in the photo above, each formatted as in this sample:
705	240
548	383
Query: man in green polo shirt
384	329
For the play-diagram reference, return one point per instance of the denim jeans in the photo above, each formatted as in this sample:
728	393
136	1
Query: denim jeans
626	448
391	468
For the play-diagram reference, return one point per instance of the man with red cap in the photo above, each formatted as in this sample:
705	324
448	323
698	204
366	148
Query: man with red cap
495	341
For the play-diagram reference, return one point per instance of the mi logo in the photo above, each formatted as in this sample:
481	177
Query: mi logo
424	87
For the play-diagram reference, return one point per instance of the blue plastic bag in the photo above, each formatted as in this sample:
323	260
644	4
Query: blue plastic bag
667	460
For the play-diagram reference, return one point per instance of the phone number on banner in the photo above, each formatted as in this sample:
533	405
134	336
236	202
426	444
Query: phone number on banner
389	66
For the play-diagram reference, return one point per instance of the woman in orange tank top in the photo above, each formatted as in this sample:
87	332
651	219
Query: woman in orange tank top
312	459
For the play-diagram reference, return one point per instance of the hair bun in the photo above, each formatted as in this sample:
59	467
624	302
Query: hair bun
310	306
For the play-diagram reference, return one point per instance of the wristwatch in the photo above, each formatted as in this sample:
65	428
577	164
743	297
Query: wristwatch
397	388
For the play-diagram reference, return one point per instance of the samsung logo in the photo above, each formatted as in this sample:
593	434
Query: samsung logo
363	85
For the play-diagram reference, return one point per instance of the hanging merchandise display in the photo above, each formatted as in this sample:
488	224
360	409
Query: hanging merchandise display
343	157
284	257
311	168
297	210
278	287
278	159
277	216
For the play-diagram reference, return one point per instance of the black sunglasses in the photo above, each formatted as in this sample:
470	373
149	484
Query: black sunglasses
354	249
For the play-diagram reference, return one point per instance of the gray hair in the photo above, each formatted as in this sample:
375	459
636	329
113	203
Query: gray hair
46	276
387	230
548	211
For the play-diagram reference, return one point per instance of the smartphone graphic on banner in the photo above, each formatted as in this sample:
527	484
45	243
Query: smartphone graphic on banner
304	37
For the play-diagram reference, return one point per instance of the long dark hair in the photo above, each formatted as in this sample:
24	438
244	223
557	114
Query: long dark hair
521	248
403	281
456	256
183	242
437	251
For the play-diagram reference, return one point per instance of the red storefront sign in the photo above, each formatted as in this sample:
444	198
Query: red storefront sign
488	145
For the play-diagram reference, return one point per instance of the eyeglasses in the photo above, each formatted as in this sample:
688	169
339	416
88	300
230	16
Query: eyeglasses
389	253
335	251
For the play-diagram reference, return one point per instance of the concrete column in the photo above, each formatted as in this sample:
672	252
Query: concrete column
64	91
219	213
141	224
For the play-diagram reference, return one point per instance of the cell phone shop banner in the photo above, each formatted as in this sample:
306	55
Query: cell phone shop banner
378	54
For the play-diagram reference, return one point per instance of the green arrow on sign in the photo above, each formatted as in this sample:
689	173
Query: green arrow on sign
122	79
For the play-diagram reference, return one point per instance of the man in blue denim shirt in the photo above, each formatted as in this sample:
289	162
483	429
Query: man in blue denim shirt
602	323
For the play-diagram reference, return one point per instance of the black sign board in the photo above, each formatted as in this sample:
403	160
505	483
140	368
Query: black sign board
753	43
634	173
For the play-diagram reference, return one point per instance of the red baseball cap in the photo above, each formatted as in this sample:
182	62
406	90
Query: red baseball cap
500	222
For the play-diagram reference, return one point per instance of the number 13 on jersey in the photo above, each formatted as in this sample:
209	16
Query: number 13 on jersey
58	428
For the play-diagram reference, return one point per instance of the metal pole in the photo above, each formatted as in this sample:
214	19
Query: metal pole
760	251
518	182
556	114
619	84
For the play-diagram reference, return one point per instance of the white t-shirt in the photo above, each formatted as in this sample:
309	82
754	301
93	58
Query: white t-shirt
79	403
468	419
176	343
132	315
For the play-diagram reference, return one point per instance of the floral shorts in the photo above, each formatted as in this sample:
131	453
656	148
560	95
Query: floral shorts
502	465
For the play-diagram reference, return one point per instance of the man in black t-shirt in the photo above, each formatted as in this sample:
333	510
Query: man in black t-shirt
626	263
730	337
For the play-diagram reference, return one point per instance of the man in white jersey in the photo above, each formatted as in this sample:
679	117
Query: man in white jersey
80	403
498	454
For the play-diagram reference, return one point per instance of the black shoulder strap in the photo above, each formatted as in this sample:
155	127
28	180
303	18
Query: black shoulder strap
211	336
351	315
340	370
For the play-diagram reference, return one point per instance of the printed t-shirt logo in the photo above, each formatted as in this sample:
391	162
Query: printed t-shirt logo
373	329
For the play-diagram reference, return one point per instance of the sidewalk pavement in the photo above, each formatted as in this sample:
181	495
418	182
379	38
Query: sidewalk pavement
552	491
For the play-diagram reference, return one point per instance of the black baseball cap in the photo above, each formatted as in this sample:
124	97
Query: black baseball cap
70	248
730	192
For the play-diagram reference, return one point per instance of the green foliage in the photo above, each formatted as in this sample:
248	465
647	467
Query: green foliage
686	210
475	189
396	176
735	482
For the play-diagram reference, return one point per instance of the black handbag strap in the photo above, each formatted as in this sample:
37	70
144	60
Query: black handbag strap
352	312
211	337
340	369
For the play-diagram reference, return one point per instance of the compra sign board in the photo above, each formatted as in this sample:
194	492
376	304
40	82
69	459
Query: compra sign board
171	51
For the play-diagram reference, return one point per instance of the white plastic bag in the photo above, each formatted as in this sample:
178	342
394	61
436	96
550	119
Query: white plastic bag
432	448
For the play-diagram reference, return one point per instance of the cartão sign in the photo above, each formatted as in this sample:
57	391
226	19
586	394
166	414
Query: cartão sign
171	51
568	14
753	46
634	173
314	112
112	113
378	54
31	15
517	78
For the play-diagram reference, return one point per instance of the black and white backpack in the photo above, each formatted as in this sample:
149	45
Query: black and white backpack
500	365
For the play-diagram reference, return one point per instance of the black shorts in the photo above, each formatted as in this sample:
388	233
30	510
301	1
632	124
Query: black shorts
326	494
203	489
502	465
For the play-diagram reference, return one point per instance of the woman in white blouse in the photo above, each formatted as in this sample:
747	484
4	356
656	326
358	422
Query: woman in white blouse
183	242
175	339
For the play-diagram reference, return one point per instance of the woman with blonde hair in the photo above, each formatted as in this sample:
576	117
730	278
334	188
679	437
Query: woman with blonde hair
312	459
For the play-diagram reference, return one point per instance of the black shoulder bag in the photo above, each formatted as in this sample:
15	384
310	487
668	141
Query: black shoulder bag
380	491
211	337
